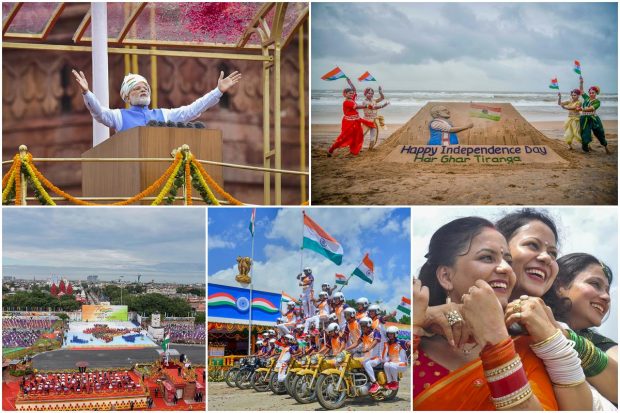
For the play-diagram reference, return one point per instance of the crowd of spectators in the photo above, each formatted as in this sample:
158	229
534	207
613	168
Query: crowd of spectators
186	333
23	332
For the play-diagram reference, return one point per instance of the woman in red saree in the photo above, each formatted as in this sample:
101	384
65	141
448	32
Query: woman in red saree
351	132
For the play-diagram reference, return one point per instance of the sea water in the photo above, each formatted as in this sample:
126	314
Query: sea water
404	104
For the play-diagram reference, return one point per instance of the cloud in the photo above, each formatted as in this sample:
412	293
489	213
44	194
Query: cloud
494	45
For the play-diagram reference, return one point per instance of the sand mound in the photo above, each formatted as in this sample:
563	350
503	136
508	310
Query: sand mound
511	129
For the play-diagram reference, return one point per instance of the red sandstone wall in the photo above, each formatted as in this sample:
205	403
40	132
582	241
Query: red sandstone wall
42	108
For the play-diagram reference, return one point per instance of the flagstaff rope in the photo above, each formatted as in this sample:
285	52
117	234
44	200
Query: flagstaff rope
184	170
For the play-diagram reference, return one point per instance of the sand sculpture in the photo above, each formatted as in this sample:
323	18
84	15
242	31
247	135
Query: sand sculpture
501	126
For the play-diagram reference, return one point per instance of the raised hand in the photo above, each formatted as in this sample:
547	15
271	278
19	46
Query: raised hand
225	83
81	80
484	314
532	314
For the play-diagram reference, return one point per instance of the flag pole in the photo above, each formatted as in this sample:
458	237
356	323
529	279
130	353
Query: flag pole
347	282
251	289
301	262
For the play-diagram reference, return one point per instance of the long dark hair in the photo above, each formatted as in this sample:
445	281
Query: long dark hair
570	266
509	224
448	242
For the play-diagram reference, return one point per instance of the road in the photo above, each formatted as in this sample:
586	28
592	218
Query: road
222	397
66	359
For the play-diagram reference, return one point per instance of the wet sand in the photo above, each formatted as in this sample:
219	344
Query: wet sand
587	178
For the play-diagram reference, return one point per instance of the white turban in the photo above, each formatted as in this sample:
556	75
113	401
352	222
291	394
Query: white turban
129	82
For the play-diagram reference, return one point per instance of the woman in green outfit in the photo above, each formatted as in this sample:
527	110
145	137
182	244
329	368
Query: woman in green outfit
589	121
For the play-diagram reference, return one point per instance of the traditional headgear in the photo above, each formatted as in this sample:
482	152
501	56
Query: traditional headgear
129	82
596	89
575	91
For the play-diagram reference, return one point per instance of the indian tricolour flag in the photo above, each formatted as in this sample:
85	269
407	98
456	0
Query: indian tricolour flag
366	77
288	298
341	279
318	240
166	342
485	111
334	74
252	219
577	67
366	270
405	306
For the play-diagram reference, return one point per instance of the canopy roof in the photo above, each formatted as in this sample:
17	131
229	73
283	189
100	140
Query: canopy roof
205	25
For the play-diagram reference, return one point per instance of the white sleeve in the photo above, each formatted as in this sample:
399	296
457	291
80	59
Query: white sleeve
440	125
193	110
600	403
109	117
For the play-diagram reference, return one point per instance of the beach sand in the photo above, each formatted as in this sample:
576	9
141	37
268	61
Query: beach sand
587	179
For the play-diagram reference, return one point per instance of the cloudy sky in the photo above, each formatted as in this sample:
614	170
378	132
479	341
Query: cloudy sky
466	46
382	232
580	230
162	244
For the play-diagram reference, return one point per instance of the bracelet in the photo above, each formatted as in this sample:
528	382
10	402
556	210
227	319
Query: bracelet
497	355
561	361
520	396
593	359
547	340
577	383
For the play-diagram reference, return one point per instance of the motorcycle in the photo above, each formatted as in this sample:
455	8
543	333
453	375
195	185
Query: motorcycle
245	373
278	387
231	374
304	383
260	379
292	373
350	379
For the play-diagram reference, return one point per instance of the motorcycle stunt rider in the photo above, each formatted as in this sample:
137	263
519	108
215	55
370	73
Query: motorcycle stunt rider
352	330
289	348
369	341
394	357
361	304
322	308
338	306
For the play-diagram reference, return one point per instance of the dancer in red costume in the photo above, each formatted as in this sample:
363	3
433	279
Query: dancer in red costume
351	133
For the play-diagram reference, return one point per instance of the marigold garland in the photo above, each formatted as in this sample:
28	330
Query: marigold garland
214	184
11	181
155	185
18	181
37	184
6	177
213	200
135	198
188	180
8	188
168	184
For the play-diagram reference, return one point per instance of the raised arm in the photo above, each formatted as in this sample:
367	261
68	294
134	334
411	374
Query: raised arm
581	84
193	110
381	97
351	85
106	116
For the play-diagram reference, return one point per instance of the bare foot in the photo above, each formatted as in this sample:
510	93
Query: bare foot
607	150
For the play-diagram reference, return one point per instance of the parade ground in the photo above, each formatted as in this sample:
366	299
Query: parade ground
66	359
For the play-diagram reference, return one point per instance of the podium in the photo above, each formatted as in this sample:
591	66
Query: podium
126	179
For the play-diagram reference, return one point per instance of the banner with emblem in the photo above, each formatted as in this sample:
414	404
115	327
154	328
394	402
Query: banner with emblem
233	303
